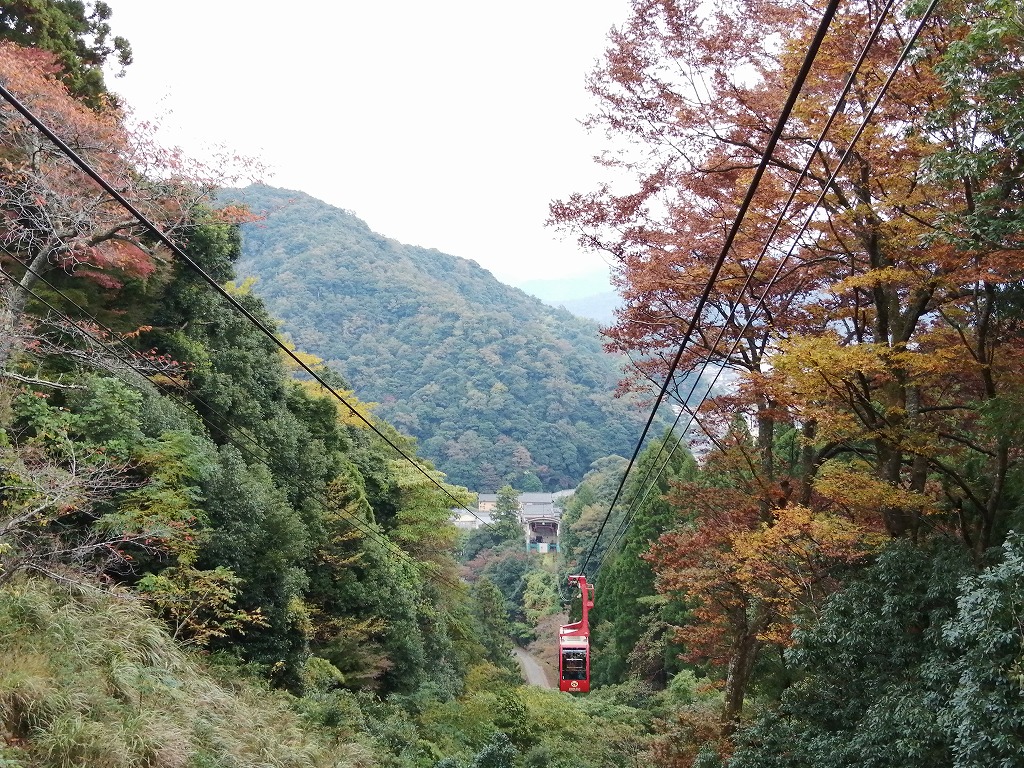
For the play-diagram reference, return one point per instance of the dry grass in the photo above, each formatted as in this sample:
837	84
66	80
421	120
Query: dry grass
89	679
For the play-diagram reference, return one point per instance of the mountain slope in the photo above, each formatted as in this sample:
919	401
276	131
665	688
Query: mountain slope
497	386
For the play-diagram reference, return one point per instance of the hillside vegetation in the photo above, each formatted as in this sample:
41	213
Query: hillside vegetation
496	386
89	678
207	560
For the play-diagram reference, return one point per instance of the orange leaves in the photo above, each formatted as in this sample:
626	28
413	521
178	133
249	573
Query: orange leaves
728	567
51	213
235	214
876	380
126	257
30	74
59	211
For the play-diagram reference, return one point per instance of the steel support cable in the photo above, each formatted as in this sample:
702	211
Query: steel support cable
762	167
235	304
130	364
636	505
633	506
868	115
357	522
817	204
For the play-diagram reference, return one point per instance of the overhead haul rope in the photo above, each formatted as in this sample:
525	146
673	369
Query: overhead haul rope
684	402
356	521
825	187
762	167
235	304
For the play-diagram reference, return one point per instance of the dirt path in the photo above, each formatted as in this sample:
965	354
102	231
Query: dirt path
533	673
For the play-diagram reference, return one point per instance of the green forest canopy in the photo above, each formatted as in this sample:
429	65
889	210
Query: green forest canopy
496	386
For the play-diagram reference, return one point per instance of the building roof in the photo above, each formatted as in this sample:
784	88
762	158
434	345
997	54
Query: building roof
535	498
531	505
524	498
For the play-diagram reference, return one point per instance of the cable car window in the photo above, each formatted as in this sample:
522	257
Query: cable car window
574	664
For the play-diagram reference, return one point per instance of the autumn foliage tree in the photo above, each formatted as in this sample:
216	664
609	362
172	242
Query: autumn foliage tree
743	577
868	309
77	33
53	217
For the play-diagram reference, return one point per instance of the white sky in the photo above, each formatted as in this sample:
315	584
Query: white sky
449	124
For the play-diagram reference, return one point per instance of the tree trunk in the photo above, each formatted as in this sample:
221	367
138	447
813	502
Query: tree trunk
741	664
15	296
808	465
766	456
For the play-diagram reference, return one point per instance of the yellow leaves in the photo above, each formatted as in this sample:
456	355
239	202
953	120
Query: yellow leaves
356	414
854	488
294	364
346	415
857	392
944	354
823	379
816	362
236	290
299	617
786	563
199	605
890	277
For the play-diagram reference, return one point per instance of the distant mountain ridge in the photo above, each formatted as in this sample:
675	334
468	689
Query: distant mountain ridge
589	295
496	386
600	307
558	289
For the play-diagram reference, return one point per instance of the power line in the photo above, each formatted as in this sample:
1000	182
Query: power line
825	187
684	402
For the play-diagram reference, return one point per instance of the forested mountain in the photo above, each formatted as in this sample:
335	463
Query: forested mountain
497	386
186	525
206	560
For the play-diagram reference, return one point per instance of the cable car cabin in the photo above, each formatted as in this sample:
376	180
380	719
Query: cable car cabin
574	664
574	645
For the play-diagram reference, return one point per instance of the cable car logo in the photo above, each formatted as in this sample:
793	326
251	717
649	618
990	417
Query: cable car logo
574	684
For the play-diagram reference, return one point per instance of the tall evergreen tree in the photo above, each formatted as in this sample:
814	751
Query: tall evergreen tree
78	32
491	614
631	638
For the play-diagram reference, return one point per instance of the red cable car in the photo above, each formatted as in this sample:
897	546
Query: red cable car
574	645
